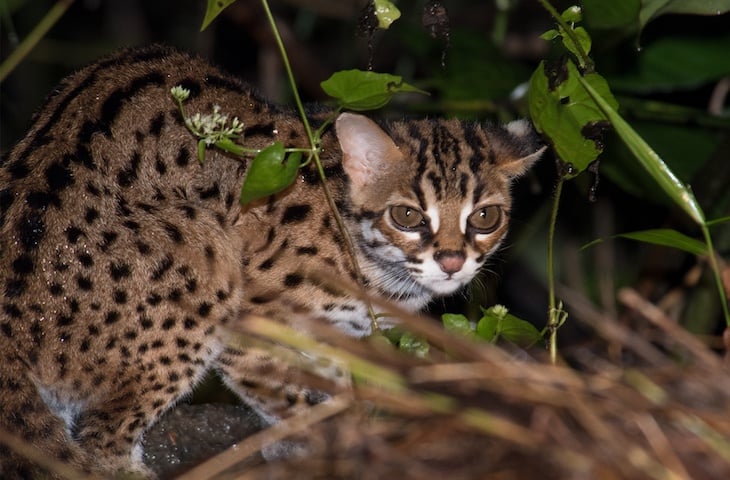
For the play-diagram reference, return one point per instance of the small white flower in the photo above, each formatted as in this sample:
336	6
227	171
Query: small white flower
499	311
213	127
179	93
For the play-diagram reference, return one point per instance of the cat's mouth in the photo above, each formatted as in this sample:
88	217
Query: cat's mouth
447	284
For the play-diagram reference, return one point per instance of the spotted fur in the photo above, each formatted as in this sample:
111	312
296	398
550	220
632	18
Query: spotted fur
125	263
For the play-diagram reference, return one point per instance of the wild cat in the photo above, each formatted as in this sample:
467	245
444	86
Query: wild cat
126	262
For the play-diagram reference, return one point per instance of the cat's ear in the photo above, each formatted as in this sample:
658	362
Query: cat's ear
367	151
523	148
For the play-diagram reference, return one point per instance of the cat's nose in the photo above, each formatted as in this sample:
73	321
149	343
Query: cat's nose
450	261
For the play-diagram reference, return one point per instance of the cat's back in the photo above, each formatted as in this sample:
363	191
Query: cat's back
116	118
104	200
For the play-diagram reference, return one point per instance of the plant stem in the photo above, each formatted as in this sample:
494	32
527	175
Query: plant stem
314	143
289	74
40	30
554	314
716	272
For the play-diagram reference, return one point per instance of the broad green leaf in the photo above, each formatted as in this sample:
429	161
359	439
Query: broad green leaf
271	171
611	15
648	158
668	238
214	8
564	111
675	61
653	8
498	322
458	324
519	331
386	12
363	90
487	327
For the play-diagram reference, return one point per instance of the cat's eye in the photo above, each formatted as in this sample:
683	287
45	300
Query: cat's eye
407	218
485	219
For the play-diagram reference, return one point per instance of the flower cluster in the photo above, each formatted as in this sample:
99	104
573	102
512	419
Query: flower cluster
212	128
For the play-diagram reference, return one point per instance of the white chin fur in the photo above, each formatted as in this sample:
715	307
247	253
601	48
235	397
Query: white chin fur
441	284
444	287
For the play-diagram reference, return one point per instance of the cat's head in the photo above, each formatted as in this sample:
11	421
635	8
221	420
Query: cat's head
431	197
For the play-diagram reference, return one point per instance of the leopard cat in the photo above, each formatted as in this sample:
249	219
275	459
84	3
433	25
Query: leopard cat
126	263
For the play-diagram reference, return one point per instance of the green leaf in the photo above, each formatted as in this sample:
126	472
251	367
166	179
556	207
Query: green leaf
676	61
487	327
550	35
613	15
386	13
498	322
583	39
648	158
362	90
668	238
411	344
563	110
271	171
519	331
572	14
214	8
458	324
653	8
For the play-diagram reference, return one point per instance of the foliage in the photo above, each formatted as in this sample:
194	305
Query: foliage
575	78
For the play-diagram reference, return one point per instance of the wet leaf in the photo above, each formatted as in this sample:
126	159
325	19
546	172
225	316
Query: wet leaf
648	158
458	324
363	90
562	109
386	12
271	171
414	345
